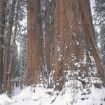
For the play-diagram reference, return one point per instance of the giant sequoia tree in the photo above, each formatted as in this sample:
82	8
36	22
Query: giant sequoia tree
34	65
65	47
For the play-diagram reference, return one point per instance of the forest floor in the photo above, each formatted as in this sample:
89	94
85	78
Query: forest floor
42	96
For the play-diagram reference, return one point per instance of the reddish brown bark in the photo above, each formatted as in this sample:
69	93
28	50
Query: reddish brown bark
72	42
73	31
33	42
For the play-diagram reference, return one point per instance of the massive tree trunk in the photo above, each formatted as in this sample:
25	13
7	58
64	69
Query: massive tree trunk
72	54
2	23
74	49
33	42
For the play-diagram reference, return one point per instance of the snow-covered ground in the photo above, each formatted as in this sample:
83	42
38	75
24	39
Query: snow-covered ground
68	96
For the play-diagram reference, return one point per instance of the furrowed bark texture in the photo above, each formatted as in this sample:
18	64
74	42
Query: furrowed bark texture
33	42
73	42
69	51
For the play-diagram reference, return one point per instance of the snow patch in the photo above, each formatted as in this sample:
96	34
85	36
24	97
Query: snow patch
73	93
5	100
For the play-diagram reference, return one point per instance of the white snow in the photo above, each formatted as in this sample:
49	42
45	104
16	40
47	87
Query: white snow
77	43
77	64
71	94
5	100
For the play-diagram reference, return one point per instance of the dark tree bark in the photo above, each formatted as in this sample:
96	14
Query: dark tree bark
2	25
7	62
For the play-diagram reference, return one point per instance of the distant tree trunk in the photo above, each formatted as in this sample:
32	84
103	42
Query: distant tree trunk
2	25
7	64
33	42
46	37
74	47
13	44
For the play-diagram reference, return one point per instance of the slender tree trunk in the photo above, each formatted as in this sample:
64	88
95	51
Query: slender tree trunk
47	33
7	50
11	61
2	23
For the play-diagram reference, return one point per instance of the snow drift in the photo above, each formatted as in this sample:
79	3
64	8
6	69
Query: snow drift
70	95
